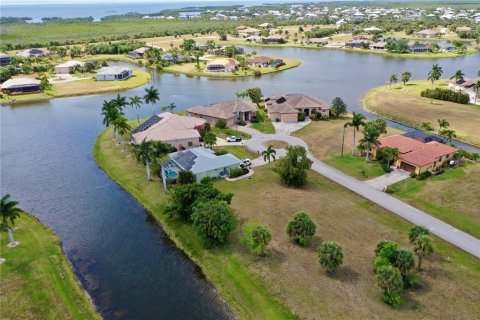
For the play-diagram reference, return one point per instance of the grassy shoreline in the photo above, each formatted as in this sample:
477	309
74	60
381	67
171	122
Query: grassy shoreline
411	109
38	271
243	291
78	88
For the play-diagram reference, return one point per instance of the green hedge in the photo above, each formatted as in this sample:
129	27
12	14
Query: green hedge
446	95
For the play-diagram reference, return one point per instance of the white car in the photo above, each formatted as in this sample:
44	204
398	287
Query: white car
234	139
247	162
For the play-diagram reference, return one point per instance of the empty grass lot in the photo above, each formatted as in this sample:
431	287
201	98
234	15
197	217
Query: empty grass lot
410	108
238	151
36	280
254	286
324	140
451	197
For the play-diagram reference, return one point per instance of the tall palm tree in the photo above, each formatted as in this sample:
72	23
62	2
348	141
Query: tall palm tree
269	153
422	248
458	75
369	139
121	126
144	154
120	102
136	102
449	134
109	112
358	120
390	154
9	212
443	123
151	96
435	73
427	127
171	106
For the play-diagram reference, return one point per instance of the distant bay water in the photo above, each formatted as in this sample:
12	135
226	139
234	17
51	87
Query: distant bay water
100	10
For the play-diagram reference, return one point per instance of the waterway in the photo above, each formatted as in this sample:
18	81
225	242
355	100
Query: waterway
125	260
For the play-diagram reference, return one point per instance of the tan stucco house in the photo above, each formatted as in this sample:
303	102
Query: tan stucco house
287	107
232	112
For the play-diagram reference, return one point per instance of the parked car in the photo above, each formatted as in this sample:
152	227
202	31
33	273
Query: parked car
234	139
247	162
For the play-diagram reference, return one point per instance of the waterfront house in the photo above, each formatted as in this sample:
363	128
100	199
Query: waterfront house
417	156
202	162
415	47
113	73
68	67
427	33
34	52
138	53
357	44
466	85
4	59
21	86
285	108
378	45
244	33
277	38
222	65
317	41
254	39
259	61
181	132
235	111
175	58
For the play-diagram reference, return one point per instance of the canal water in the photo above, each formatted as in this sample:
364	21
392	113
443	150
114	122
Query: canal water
124	259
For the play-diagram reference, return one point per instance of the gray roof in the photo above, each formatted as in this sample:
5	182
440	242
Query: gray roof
4	55
112	70
20	83
202	159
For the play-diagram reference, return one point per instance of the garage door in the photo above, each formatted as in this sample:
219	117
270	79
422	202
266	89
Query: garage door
407	167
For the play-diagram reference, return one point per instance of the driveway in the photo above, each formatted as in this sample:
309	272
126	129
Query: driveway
286	128
384	181
441	229
222	142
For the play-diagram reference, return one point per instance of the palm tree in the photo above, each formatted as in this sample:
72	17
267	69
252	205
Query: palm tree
390	154
443	123
121	126
393	79
109	112
9	212
135	103
422	248
269	153
449	134
120	102
358	120
144	154
427	127
151	96
458	75
163	108
435	73
171	106
369	139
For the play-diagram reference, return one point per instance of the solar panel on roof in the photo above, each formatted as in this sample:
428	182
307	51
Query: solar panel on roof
147	124
185	159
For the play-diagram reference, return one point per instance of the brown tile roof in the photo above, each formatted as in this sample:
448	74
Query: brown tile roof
417	152
259	59
292	103
223	110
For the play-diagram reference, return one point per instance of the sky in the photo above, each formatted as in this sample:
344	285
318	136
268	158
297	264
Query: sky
27	2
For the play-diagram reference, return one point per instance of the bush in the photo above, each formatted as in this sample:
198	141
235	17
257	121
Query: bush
237	172
292	168
301	116
221	124
413	175
256	237
379	262
185	177
446	95
257	73
213	220
301	229
393	299
220	152
424	175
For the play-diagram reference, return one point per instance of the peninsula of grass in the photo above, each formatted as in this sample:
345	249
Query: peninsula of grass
404	104
81	87
451	197
290	277
191	70
36	279
324	140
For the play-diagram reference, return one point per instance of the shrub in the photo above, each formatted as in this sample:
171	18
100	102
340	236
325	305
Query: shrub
221	124
185	177
256	237
379	262
301	229
393	300
301	116
237	172
446	95
213	220
424	175
390	281
386	249
257	73
413	175
292	168
220	152
330	255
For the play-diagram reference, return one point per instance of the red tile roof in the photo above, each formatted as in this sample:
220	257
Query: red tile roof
417	152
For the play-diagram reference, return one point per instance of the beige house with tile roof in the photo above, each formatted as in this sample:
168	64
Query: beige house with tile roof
287	107
232	112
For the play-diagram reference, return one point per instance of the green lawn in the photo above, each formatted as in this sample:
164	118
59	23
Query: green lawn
223	133
264	124
451	197
36	280
238	151
357	166
244	292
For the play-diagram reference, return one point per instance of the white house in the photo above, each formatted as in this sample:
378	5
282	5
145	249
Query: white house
113	73
67	67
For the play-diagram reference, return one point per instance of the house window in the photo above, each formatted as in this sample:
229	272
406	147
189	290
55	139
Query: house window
190	143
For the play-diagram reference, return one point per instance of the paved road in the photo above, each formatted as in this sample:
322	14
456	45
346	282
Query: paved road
441	229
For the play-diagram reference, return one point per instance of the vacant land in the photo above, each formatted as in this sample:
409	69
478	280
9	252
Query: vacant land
451	197
190	69
407	106
80	88
238	151
276	144
37	281
324	140
254	286
224	133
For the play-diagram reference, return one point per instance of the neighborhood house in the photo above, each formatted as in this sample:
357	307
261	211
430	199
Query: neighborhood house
287	107
417	156
260	62
68	67
236	111
137	53
202	162
247	32
4	59
33	53
221	65
180	132
467	86
21	86
113	73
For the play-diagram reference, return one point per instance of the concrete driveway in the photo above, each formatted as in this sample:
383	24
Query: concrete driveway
286	128
223	142
384	181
